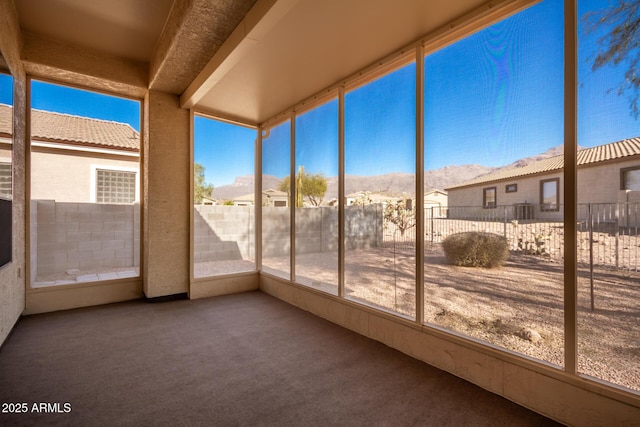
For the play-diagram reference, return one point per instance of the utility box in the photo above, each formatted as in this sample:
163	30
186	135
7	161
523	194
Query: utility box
523	211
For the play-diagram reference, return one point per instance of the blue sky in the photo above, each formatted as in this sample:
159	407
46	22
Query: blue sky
6	93
490	99
61	99
225	150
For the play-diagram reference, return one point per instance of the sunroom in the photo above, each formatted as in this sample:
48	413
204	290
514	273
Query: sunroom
287	146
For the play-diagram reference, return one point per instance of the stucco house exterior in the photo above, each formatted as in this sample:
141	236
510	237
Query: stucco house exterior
275	198
435	203
78	159
607	174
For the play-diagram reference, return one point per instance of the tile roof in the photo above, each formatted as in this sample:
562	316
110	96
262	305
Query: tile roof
65	128
601	153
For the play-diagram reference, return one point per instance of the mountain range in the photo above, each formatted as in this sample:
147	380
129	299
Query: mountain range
393	184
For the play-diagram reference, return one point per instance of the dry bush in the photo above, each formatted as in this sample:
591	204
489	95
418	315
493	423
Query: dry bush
476	249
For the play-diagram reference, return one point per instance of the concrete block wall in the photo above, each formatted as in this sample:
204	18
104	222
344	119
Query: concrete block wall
363	226
227	232
276	228
84	236
223	232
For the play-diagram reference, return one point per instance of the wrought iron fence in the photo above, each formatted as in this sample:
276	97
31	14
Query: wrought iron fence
607	234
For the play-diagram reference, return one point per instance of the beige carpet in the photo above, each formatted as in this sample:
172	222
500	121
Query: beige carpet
239	360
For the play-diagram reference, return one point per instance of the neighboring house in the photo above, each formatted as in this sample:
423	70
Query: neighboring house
435	203
367	198
274	198
78	159
606	174
246	200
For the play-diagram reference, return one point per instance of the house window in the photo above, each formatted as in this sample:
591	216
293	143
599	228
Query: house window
5	179
511	188
630	178
489	197
549	195
115	186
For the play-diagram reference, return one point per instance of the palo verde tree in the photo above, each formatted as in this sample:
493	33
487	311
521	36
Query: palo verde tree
313	187
619	45
201	189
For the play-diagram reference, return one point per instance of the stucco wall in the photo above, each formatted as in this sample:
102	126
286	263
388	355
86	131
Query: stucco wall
460	200
67	177
166	201
596	184
12	276
601	184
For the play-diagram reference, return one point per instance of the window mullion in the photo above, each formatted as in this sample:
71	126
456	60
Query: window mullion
570	186
419	205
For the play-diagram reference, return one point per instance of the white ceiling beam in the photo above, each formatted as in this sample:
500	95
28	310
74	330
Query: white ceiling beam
263	16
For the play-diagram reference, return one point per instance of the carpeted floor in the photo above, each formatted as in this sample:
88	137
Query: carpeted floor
240	360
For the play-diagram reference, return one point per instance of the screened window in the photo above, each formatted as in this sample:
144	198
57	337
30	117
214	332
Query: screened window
115	186
549	195
276	215
84	208
630	178
223	197
489	197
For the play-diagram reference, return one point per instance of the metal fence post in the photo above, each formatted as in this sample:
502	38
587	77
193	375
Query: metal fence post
617	236
590	225
504	226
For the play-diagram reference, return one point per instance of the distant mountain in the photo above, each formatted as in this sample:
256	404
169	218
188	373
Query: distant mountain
551	152
393	184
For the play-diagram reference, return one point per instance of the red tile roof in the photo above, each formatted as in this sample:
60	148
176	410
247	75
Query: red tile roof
65	128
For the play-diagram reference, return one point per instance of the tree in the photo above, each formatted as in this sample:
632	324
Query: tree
313	187
619	44
400	215
201	189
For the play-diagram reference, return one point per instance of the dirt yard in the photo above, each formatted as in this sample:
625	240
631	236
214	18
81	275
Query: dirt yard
518	306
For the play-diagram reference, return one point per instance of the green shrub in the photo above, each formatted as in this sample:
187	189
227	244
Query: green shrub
475	249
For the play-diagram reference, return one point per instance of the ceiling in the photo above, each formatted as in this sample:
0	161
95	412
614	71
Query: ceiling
243	59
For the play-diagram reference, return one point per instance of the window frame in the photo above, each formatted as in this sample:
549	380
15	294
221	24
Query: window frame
495	197
623	171
543	205
511	188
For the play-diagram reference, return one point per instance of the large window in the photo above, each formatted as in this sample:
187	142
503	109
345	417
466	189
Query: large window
379	181
493	105
223	198
276	199
608	202
316	181
85	201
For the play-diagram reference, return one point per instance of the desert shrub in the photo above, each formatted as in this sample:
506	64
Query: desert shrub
476	249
